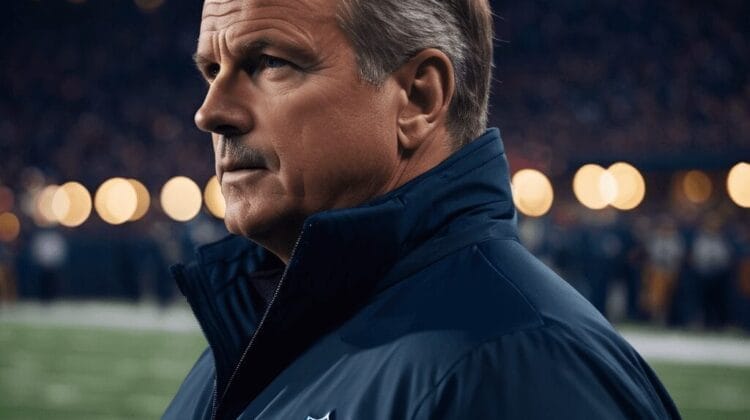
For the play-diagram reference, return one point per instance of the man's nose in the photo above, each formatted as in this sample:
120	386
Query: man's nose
224	110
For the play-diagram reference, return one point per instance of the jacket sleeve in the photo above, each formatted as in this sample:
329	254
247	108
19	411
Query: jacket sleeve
542	374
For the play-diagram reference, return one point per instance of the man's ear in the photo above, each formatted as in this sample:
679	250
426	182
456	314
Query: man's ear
427	84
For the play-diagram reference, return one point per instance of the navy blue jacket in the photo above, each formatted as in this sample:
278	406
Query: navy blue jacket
420	304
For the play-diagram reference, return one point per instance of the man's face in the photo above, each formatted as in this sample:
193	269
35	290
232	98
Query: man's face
295	131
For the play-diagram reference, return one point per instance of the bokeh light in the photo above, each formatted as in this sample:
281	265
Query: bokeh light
214	199
738	184
10	227
116	201
143	200
631	187
697	187
532	192
71	204
594	187
43	214
181	198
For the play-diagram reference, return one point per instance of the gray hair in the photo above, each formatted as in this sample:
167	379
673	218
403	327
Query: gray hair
387	33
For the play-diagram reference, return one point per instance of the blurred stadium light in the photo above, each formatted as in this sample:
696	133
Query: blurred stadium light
631	187
116	201
738	184
697	186
181	198
594	187
532	192
71	204
43	215
143	200
214	199
10	227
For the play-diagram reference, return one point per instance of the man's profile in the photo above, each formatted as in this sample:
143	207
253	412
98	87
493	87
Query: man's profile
376	272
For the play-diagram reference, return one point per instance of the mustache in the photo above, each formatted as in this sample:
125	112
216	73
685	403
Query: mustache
240	154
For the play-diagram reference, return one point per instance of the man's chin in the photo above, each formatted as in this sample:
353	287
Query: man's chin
259	226
243	225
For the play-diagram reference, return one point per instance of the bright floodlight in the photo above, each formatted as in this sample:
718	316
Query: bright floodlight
214	199
116	201
43	214
697	187
71	204
594	186
532	192
143	200
10	227
181	198
738	184
631	188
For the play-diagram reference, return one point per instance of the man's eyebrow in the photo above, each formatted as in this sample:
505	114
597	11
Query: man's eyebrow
254	48
200	61
246	50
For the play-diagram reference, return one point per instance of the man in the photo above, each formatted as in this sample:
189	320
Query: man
384	279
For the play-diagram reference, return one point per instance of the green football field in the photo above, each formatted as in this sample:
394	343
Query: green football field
94	373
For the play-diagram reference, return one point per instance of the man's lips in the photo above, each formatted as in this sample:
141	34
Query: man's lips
240	166
239	175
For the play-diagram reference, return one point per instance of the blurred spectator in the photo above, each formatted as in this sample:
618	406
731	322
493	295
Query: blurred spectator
710	260
665	250
7	277
742	279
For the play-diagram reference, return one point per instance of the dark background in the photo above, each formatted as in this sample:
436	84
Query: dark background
104	88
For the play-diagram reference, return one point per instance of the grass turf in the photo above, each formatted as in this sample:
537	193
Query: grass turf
90	373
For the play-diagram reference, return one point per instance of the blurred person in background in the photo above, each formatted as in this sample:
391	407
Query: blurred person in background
42	261
665	250
742	283
7	277
603	249
710	260
384	278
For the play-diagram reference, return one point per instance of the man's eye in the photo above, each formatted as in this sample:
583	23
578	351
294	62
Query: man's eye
273	62
212	71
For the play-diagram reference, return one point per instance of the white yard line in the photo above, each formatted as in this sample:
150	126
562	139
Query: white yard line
690	348
682	347
148	317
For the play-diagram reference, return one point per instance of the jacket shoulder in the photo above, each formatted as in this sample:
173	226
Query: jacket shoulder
462	295
542	372
540	346
552	298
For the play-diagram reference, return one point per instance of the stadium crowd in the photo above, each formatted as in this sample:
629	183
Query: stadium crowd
100	89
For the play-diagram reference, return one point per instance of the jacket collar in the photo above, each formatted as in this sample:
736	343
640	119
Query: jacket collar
342	258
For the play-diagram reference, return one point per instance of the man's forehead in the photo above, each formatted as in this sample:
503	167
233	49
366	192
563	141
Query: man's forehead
217	9
245	24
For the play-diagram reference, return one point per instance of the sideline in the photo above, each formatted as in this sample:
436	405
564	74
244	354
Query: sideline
111	315
654	345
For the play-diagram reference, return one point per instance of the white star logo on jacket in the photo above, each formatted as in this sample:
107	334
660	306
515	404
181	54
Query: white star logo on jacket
326	417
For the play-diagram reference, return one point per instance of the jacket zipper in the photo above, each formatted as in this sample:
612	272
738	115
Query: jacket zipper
216	401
